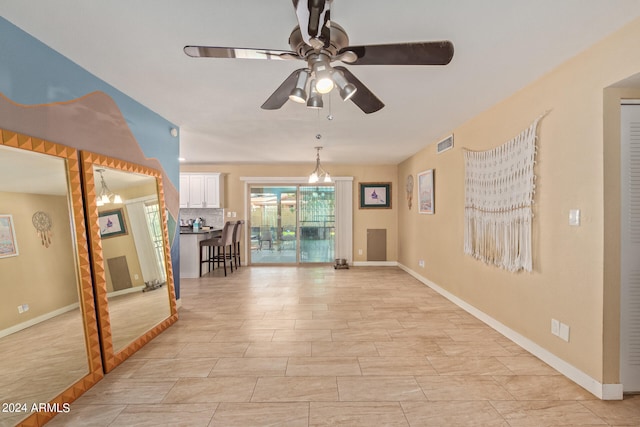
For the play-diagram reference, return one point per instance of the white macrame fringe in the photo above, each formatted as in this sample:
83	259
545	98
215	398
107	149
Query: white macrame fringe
499	188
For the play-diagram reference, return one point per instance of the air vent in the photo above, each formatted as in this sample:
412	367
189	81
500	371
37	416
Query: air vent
445	144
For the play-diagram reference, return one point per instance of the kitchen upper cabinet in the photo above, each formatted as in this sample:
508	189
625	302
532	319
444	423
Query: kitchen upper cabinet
201	190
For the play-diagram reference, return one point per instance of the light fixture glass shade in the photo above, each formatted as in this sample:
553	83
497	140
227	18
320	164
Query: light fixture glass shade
319	172
322	73
105	195
315	98
324	85
298	94
347	90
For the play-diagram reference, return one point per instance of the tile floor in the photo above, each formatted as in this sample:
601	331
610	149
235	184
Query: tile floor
315	346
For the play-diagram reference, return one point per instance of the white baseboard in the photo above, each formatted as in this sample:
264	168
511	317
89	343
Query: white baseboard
125	291
36	320
375	263
602	391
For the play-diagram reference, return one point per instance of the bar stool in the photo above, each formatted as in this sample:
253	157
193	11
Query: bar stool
237	232
221	244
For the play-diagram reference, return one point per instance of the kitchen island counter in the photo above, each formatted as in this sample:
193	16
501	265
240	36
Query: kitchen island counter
190	248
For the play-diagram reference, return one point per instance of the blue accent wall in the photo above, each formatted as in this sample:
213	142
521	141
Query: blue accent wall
31	73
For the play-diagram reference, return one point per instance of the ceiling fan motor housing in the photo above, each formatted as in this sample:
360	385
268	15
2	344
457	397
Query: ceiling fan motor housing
339	40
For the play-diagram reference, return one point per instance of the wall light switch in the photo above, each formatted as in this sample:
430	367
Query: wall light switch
574	217
564	332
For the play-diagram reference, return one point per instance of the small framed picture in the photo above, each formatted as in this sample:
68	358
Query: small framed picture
8	242
112	224
425	192
375	195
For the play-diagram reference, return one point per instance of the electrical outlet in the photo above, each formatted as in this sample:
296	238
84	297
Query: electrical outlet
555	327
20	310
23	308
421	263
136	277
359	251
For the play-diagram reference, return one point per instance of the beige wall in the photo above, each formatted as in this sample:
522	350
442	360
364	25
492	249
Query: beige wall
568	278
45	278
362	218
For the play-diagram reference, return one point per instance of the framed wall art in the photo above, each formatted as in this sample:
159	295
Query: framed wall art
426	192
375	195
112	224
8	242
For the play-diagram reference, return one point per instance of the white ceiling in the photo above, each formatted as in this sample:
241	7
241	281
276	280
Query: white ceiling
136	46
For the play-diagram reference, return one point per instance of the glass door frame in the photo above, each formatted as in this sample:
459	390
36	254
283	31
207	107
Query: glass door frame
295	184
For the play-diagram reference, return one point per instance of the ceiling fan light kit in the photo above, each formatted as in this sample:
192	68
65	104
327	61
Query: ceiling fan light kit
298	93
315	99
319	41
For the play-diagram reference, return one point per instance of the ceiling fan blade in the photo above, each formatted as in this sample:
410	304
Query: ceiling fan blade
238	52
414	53
313	16
281	95
363	98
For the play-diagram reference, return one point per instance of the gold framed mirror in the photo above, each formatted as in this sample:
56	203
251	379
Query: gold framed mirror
129	243
49	345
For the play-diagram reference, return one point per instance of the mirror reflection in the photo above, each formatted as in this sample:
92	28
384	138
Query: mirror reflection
42	337
129	217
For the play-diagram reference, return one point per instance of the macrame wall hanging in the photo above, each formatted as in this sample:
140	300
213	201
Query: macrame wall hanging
499	188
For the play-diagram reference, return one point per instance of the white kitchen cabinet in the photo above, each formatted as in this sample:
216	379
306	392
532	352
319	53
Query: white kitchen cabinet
201	190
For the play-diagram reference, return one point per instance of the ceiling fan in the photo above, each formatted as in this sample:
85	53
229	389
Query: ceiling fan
319	41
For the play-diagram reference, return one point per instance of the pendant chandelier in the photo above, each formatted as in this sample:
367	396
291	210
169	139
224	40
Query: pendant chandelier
106	196
319	173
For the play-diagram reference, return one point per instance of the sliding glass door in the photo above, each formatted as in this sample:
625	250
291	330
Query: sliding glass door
292	224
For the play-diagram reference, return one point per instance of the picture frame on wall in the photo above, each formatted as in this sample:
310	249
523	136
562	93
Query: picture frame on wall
426	187
8	242
375	195
112	224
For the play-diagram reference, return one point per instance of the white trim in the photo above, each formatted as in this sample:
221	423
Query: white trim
630	102
602	391
375	264
125	291
50	315
153	197
288	179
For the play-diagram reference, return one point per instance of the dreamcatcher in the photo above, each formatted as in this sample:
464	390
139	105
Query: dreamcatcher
43	224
